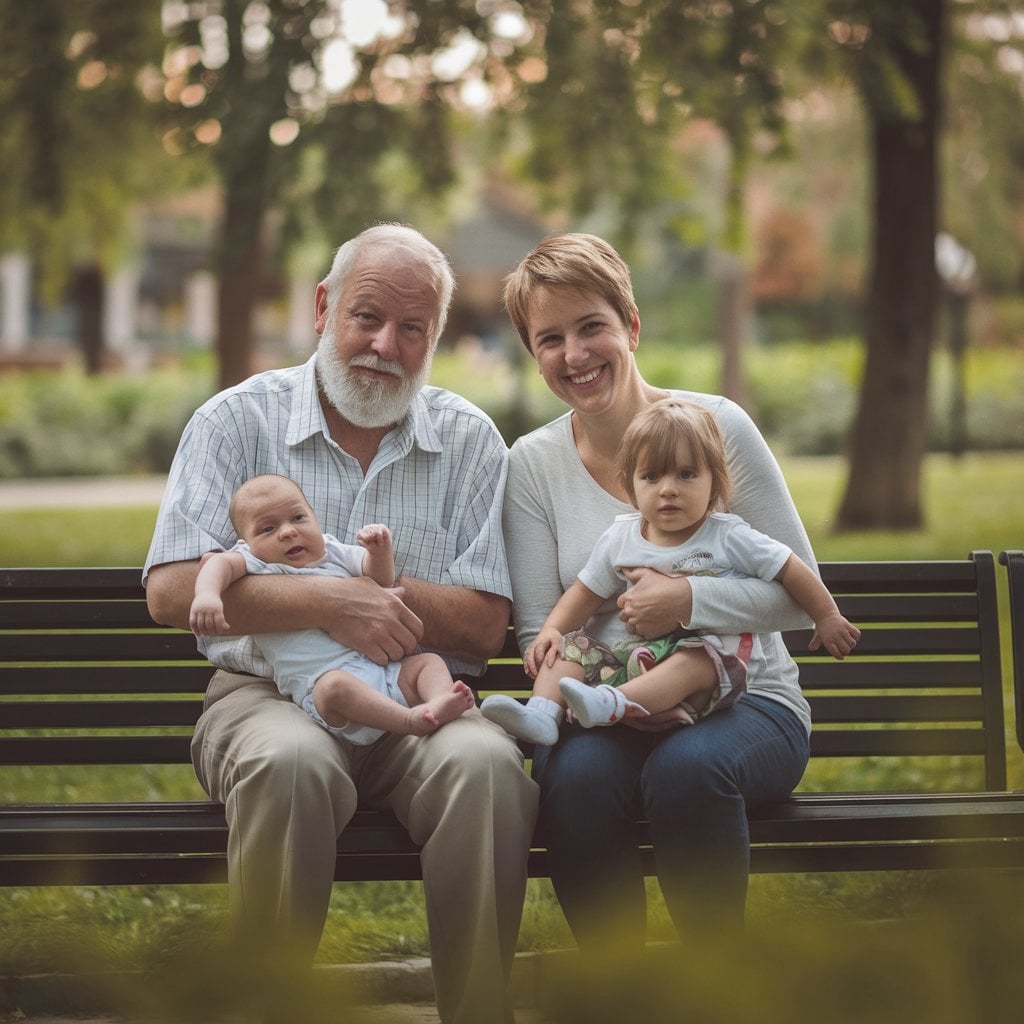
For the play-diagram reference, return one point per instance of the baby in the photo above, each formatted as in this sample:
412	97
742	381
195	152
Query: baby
342	690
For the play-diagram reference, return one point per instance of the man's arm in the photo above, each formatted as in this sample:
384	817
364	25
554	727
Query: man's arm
356	612
458	620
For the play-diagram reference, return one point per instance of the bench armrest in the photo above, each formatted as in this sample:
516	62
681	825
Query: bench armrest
1014	562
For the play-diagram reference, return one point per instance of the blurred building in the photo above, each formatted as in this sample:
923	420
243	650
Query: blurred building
164	302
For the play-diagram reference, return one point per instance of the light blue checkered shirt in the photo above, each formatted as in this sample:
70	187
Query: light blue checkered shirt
437	481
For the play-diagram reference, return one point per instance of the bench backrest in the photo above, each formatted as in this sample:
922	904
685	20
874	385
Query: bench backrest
86	677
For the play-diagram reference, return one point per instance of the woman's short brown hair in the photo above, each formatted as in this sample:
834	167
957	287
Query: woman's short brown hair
584	263
654	435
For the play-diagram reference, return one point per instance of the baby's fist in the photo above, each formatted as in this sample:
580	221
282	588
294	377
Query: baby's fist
374	535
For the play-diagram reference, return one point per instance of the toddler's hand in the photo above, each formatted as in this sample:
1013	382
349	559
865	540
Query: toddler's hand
543	651
837	635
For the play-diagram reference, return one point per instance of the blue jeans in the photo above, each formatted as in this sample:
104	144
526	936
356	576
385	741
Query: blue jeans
693	783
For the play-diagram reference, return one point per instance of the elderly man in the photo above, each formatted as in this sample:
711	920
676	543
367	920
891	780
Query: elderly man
359	431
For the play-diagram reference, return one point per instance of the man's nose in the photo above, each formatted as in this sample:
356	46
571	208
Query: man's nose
385	341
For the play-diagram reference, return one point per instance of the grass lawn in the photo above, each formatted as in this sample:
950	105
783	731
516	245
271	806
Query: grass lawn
974	502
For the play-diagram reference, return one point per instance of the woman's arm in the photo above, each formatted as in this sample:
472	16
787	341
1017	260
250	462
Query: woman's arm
532	550
761	497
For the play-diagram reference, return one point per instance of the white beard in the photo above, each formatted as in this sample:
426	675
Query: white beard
369	404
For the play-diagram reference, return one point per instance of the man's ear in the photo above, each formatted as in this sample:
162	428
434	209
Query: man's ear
320	308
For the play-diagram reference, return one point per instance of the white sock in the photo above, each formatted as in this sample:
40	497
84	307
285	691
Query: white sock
536	722
548	707
596	705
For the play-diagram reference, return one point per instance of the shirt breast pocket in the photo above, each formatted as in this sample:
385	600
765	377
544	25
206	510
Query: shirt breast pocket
425	551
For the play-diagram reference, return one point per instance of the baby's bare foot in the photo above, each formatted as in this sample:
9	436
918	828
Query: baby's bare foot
452	704
421	720
431	715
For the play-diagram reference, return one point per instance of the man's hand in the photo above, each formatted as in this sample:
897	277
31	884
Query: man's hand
372	620
656	604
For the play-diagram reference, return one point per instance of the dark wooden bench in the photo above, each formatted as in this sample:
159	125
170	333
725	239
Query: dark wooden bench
87	679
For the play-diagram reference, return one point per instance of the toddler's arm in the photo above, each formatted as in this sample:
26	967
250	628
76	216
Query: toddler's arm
379	560
218	571
571	612
831	629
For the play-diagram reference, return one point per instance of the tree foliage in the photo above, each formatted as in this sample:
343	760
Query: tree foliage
79	144
255	83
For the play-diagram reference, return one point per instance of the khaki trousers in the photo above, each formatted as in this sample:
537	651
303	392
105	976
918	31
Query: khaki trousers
289	788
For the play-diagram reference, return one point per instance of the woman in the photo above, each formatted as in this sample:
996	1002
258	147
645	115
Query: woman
571	301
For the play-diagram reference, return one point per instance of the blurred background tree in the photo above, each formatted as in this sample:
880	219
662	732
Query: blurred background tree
799	157
79	147
304	105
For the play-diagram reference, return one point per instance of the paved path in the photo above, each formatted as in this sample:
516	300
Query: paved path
86	490
393	1013
396	1013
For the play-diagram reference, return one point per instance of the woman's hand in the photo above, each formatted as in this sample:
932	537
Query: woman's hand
656	604
662	721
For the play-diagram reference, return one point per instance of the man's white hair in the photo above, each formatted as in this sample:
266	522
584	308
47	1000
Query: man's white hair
404	237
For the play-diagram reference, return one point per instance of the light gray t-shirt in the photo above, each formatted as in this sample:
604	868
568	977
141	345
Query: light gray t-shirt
555	512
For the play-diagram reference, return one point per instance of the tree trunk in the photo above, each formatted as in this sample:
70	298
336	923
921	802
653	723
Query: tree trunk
238	291
733	321
890	433
88	293
240	269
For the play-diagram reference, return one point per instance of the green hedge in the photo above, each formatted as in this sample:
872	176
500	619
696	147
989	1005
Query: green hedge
802	395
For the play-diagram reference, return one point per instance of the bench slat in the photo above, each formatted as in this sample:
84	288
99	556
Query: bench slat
105	714
36	680
84	750
101	648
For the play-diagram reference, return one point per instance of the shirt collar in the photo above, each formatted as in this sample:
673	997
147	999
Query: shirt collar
307	417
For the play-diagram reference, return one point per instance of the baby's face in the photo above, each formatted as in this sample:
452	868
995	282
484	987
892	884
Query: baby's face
281	527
